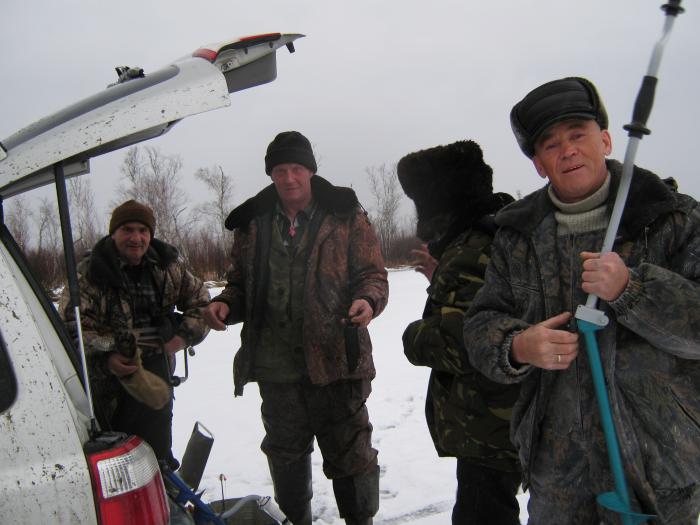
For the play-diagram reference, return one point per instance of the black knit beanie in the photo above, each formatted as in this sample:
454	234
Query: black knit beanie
290	147
132	211
556	101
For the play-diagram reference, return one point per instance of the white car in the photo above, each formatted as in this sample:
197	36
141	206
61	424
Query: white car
55	465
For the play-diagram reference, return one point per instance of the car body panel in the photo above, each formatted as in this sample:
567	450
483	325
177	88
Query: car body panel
132	111
42	433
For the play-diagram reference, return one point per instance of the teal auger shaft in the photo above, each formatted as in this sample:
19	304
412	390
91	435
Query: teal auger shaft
589	318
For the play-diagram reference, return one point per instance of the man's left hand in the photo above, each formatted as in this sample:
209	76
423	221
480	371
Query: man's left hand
360	312
604	275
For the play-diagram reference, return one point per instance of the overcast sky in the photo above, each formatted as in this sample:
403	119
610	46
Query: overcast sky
372	80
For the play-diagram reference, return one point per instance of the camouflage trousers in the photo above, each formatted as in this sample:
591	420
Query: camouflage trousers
336	415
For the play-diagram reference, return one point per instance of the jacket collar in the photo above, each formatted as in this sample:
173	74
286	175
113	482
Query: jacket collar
648	198
104	267
333	199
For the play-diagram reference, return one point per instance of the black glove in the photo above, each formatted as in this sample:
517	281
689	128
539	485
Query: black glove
125	343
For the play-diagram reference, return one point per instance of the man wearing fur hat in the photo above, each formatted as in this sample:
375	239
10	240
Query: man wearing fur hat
467	414
307	277
545	260
130	285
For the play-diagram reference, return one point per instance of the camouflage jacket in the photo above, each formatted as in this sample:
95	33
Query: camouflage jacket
650	350
344	264
105	306
468	415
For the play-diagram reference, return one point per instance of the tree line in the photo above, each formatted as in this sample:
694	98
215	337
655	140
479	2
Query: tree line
150	176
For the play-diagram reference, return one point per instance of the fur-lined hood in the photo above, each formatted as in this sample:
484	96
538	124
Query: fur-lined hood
333	199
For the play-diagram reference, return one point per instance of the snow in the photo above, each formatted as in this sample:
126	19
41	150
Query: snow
416	486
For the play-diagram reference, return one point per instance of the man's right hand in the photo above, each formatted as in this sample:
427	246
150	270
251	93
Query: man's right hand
120	365
543	346
424	262
215	314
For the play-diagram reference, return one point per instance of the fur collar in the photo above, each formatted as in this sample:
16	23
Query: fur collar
333	199
103	265
648	198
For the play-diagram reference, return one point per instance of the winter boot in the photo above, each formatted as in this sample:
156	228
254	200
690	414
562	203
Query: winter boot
292	483
358	496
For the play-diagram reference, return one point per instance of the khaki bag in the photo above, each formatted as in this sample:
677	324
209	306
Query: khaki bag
145	386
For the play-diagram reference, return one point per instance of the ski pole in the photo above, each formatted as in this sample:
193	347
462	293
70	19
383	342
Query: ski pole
589	318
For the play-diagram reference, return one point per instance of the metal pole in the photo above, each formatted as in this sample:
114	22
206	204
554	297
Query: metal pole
72	275
589	318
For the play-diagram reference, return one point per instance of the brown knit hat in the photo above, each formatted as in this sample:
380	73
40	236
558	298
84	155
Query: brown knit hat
132	211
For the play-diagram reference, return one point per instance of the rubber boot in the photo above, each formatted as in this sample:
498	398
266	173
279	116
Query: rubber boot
357	497
293	493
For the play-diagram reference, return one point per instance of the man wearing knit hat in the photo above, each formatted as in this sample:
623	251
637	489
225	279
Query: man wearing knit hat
545	260
130	285
467	414
306	278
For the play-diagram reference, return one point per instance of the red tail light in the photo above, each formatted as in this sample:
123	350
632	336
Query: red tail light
128	485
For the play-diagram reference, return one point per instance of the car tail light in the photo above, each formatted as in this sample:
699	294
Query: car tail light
129	486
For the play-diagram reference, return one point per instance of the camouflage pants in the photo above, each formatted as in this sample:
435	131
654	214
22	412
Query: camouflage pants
336	415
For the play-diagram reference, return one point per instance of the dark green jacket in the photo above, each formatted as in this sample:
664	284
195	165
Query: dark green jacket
650	350
468	415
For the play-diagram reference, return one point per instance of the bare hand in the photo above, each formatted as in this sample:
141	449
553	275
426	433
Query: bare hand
215	314
120	365
424	262
604	275
174	345
360	312
543	346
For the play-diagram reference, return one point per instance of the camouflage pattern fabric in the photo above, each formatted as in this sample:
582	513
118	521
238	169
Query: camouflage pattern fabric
650	350
344	262
468	415
106	308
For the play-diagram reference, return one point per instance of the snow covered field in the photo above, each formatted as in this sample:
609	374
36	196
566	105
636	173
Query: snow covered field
416	486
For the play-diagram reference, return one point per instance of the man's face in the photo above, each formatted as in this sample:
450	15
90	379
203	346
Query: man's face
293	184
132	240
571	154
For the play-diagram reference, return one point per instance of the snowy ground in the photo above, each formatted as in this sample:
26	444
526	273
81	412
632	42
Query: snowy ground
416	486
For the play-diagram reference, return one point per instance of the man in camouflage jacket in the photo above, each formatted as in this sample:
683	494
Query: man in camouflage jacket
306	278
131	282
544	262
468	415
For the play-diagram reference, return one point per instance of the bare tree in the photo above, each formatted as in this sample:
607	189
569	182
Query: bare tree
216	210
49	227
18	218
84	221
154	179
387	199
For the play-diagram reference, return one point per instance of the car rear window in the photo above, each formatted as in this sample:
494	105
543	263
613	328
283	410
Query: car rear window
8	384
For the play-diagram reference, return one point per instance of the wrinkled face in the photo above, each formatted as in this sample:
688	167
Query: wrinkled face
571	154
293	184
132	240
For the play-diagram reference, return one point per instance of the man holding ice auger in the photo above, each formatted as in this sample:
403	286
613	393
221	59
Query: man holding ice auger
545	259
